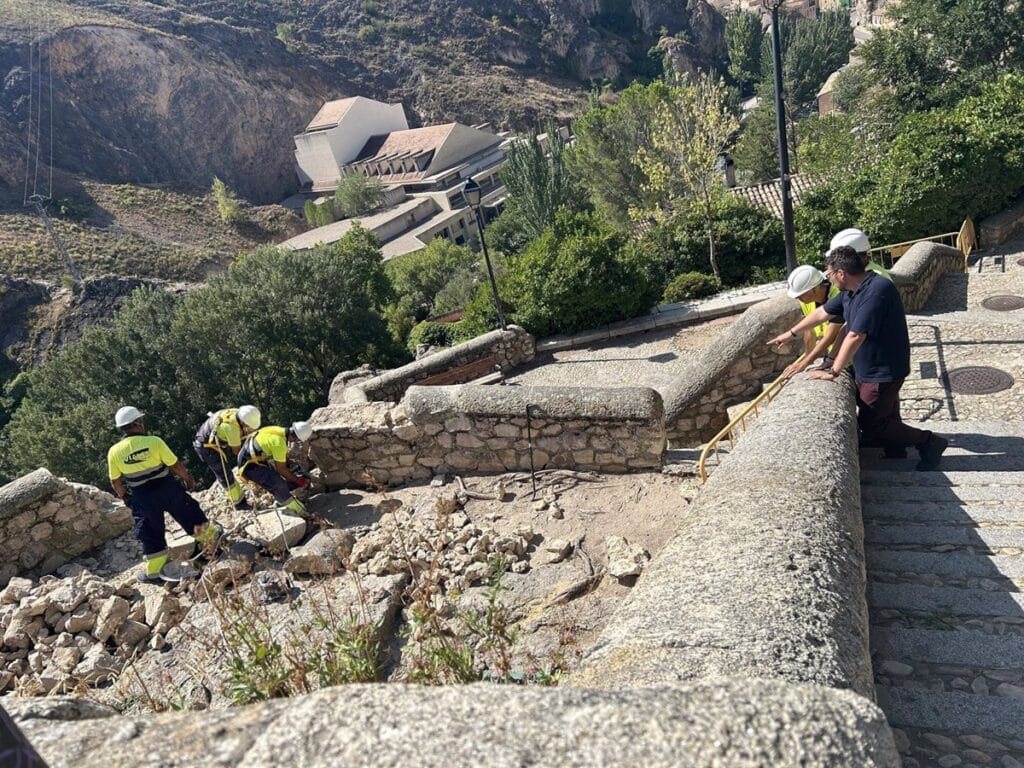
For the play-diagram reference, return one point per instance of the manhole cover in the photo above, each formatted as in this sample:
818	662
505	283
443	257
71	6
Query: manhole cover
1003	303
978	380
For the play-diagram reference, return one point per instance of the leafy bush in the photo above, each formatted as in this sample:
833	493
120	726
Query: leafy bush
356	195
746	238
432	334
691	285
420	278
227	205
577	275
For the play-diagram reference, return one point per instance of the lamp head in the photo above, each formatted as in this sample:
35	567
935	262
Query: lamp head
471	192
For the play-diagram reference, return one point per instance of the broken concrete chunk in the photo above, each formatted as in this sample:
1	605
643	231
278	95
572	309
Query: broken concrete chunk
624	559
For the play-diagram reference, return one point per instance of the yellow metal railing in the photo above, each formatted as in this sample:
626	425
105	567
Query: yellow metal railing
739	424
964	240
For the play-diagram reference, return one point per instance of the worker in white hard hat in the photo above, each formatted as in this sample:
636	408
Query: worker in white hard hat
856	239
140	468
224	431
809	286
263	460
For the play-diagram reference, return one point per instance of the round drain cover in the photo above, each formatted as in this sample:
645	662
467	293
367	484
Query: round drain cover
1006	303
978	380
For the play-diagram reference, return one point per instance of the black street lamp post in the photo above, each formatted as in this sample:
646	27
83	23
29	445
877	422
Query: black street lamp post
780	125
472	193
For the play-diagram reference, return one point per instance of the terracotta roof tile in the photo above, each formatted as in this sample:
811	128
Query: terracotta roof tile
769	197
331	113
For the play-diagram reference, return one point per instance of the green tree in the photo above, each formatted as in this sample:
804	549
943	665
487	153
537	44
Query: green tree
743	36
812	49
538	181
938	52
689	135
65	419
756	152
273	330
419	278
600	159
357	195
578	274
228	208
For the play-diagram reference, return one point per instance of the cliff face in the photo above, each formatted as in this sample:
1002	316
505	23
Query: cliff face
139	106
187	89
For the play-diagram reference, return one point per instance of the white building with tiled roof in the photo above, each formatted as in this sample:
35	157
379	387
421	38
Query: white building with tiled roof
422	170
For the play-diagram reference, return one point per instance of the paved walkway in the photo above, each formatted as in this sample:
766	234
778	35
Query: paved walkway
945	550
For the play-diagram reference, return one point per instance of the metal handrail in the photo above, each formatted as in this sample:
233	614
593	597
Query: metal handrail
964	240
739	420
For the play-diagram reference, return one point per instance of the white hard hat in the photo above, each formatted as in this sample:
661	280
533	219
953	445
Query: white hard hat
851	237
302	430
802	279
127	415
249	415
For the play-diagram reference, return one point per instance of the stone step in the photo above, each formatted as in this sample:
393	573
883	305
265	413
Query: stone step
961	648
951	513
963	493
946	479
935	535
948	601
997	717
951	564
951	462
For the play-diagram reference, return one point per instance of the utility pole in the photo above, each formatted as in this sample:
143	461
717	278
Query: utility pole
780	126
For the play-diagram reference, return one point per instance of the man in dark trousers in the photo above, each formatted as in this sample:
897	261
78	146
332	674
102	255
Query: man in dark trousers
140	469
878	343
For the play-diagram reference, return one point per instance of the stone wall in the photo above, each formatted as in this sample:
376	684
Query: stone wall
997	229
508	349
919	269
766	577
729	371
46	521
472	428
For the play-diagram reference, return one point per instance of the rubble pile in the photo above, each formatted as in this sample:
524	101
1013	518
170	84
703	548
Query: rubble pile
436	535
60	635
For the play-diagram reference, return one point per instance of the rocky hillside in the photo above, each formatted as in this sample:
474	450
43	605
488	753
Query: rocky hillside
187	89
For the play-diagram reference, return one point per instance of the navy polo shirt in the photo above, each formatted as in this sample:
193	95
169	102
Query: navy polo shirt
875	310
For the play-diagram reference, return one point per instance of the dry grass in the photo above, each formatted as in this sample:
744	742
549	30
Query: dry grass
140	232
23	20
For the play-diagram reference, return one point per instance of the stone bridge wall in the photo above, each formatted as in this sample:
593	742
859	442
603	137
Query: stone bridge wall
919	269
508	348
46	521
766	578
485	429
729	371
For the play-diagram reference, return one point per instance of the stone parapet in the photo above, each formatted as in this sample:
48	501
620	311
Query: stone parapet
729	371
916	272
714	723
472	428
765	577
506	349
46	521
997	229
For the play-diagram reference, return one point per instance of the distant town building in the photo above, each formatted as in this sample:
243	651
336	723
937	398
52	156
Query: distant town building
422	170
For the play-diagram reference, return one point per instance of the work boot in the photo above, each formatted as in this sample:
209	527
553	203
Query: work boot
243	505
931	452
895	452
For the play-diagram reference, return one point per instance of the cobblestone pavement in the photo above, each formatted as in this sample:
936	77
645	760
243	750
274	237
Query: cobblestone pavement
945	550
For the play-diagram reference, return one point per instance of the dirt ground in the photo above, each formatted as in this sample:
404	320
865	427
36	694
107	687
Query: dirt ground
560	607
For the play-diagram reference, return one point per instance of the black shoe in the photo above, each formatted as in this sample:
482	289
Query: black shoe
931	453
243	505
895	452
